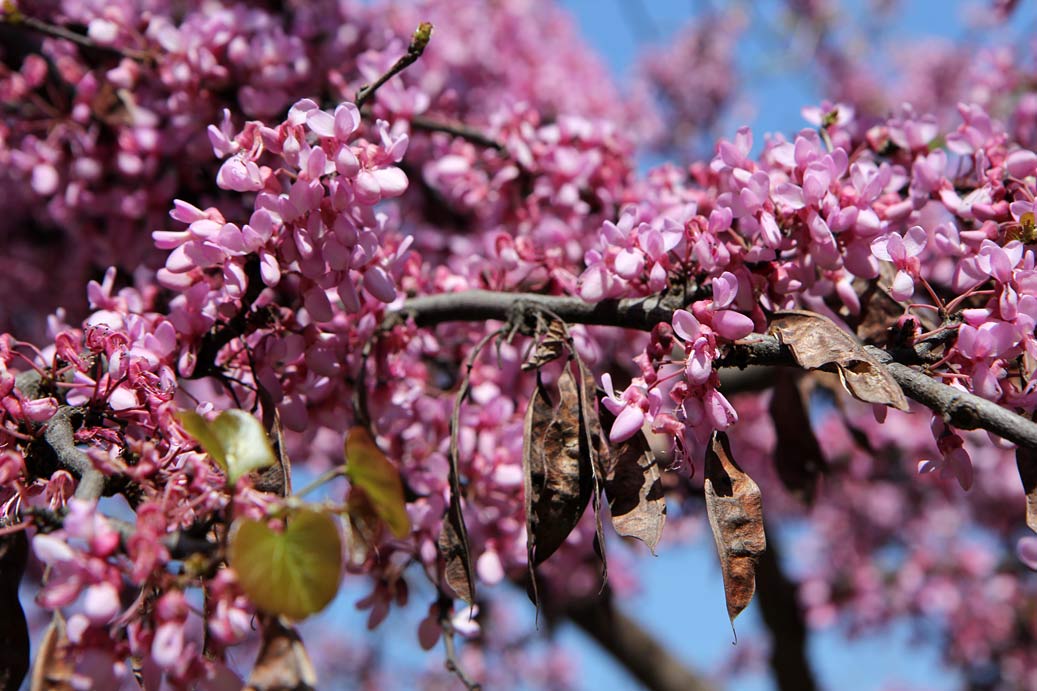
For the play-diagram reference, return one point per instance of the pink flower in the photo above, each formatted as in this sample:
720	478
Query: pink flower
903	251
629	410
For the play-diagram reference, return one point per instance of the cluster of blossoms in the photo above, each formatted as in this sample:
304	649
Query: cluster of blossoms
270	290
805	226
96	143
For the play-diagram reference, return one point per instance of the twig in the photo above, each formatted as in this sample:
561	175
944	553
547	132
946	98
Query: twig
417	45
212	342
324	478
452	664
959	408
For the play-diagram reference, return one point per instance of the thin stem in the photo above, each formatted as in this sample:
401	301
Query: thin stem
452	663
324	478
417	45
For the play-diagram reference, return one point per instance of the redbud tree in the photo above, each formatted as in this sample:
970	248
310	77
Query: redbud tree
424	271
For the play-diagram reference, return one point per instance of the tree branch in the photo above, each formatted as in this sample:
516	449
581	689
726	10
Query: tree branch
959	408
636	649
16	19
783	616
480	305
59	436
477	137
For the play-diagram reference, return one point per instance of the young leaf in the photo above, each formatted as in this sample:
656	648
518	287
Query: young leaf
797	453
295	572
235	440
283	662
558	477
14	631
736	516
369	470
816	341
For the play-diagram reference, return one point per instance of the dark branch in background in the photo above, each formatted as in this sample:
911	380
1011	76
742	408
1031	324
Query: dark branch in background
417	45
783	616
650	662
961	409
16	19
222	334
477	137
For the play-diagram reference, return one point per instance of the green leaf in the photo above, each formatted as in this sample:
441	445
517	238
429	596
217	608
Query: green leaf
293	573
235	439
369	470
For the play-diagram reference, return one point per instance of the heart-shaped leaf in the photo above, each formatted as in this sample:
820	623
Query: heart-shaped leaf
295	572
369	470
236	441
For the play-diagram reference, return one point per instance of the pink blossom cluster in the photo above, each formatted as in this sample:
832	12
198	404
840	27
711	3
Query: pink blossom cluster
269	289
96	144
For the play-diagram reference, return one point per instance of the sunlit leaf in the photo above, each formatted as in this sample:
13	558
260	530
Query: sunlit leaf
295	572
235	440
369	470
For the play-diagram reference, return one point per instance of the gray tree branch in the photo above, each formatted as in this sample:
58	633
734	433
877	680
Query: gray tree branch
959	408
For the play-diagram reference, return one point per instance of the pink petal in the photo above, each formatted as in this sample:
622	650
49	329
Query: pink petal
378	284
392	181
903	286
686	325
347	120
321	123
1021	163
629	263
101	603
914	241
627	424
732	325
